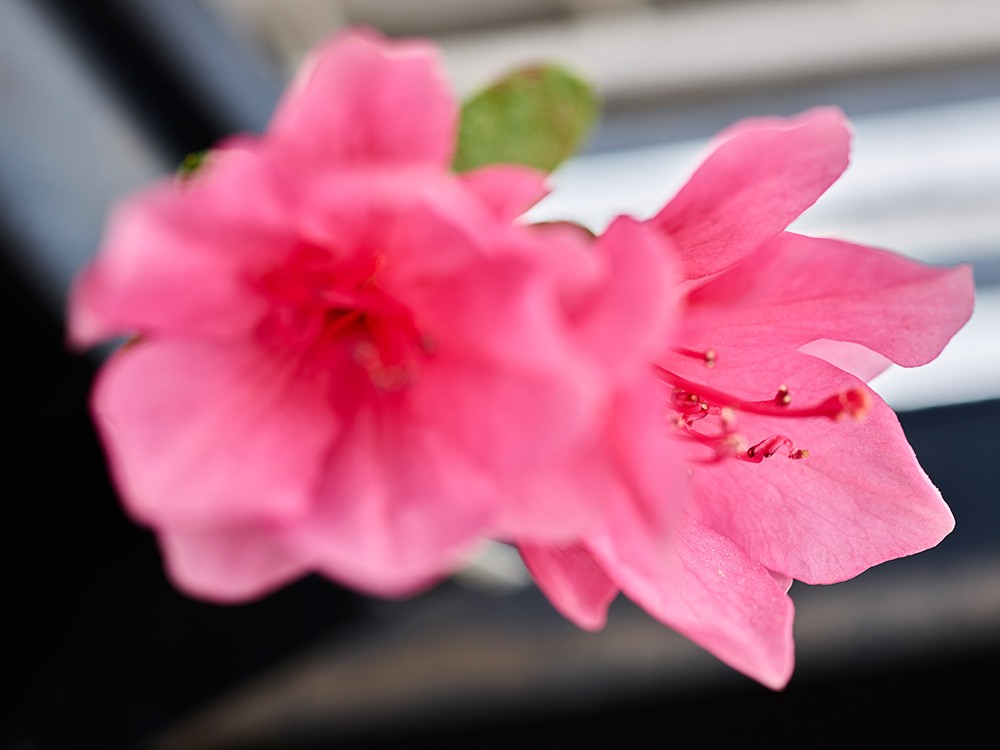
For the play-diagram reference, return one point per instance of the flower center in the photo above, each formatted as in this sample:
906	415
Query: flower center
693	402
323	305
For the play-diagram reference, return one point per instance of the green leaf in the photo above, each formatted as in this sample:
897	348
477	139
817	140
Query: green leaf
191	163
537	117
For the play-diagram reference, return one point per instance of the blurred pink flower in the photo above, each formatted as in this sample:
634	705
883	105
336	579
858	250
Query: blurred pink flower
350	360
791	467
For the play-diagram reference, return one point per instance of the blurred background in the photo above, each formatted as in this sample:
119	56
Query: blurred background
98	98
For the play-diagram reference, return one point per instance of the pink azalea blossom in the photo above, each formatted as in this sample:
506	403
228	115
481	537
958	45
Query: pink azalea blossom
350	361
791	467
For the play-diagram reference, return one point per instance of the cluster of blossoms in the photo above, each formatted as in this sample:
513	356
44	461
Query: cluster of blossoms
350	360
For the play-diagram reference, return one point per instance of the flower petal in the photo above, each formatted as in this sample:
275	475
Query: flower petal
799	289
711	592
400	505
360	99
628	315
228	565
518	396
507	189
760	177
859	498
558	499
648	498
573	581
176	257
510	417
203	435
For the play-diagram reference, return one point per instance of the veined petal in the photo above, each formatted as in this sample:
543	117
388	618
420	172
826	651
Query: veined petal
798	289
573	582
711	592
759	178
204	435
858	499
360	100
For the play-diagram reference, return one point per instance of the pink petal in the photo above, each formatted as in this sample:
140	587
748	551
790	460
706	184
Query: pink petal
443	228
573	582
228	565
400	504
649	496
759	178
799	289
446	226
628	315
203	435
558	499
859	498
508	190
622	467
422	222
361	99
510	417
518	394
175	257
712	593
624	482
859	361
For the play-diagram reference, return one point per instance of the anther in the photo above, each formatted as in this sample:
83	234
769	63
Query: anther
783	397
708	357
855	403
768	447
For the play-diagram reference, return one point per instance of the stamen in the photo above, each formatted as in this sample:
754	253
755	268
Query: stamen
691	407
768	447
726	445
709	356
854	403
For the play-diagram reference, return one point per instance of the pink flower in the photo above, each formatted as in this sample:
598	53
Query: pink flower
350	360
791	467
